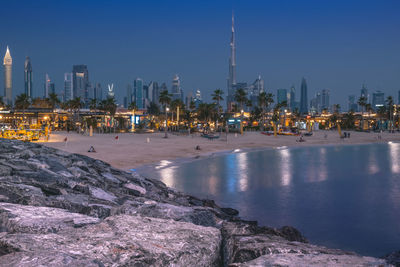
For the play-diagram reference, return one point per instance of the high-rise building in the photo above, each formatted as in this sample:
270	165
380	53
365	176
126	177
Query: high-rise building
281	96
28	77
8	99
303	97
49	87
154	92
176	89
68	86
129	98
98	92
198	99
111	92
364	93
254	90
232	69
378	99
352	104
139	94
291	98
81	84
325	100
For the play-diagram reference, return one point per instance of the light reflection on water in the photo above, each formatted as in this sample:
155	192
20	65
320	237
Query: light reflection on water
340	196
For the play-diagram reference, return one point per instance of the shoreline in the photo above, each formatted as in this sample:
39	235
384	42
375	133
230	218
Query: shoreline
174	162
137	151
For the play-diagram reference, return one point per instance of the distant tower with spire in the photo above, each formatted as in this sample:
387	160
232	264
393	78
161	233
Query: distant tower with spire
232	68
28	77
7	78
303	97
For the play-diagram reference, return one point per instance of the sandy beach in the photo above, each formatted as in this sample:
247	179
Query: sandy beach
133	150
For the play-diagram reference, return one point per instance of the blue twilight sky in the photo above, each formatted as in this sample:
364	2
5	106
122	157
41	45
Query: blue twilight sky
338	45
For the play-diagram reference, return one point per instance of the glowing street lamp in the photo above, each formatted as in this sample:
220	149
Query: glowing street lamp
166	122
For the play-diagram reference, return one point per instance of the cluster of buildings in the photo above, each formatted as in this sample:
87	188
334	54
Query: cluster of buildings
77	84
143	94
376	100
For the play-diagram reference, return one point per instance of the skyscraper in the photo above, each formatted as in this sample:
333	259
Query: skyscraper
154	92
111	92
8	78
28	77
291	99
352	105
176	88
80	75
232	69
68	86
325	99
139	94
49	87
281	96
98	92
364	93
378	99
303	97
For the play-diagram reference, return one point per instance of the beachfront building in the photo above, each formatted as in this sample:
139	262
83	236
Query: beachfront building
28	77
7	63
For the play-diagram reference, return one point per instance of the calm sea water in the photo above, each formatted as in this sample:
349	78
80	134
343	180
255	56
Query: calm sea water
345	197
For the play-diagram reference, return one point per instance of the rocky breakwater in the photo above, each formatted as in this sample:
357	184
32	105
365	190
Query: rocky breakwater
61	209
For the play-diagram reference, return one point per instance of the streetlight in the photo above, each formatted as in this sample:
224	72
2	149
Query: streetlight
241	122
166	122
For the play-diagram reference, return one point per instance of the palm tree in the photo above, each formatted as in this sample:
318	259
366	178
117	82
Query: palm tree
75	105
2	105
132	106
175	104
22	102
93	104
217	96
362	101
165	100
53	100
206	112
241	97
262	102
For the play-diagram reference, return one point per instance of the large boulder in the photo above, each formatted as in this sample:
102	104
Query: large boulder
52	237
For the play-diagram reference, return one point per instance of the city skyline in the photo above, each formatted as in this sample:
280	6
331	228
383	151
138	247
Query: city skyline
212	51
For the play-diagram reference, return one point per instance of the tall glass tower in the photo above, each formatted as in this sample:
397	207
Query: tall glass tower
7	78
303	97
28	77
138	91
232	68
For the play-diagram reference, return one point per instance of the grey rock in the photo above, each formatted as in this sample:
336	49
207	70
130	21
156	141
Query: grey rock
16	218
127	241
301	260
393	258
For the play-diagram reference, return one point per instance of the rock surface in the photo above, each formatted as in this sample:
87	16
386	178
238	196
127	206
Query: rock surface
61	209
